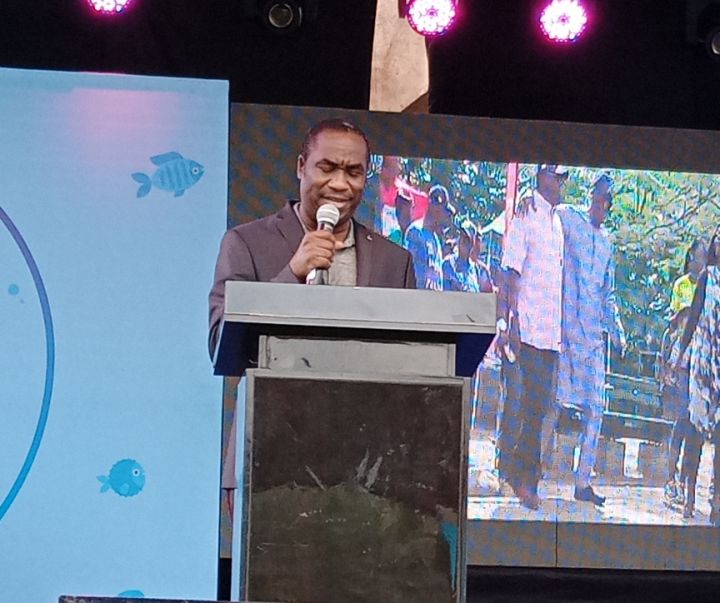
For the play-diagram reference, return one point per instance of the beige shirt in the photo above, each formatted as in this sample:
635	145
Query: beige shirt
343	270
534	249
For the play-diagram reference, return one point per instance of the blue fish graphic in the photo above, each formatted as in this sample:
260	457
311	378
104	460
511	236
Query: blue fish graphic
132	594
127	478
175	174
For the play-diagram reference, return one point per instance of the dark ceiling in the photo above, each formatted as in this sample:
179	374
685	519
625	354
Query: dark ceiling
633	66
325	63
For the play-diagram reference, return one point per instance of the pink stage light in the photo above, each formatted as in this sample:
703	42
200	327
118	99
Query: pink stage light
563	20
109	7
431	17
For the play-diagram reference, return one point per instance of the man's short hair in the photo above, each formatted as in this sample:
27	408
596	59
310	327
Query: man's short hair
604	182
334	124
439	195
554	169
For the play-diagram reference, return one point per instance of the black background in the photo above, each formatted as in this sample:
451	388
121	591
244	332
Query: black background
633	65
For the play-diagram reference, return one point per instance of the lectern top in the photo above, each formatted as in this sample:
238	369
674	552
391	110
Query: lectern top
359	307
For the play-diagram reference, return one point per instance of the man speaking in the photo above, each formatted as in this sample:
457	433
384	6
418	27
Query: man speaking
291	247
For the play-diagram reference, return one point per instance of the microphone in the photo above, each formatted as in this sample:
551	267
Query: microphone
327	217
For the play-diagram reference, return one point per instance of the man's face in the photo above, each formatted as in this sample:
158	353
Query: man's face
600	205
391	169
440	213
551	186
334	172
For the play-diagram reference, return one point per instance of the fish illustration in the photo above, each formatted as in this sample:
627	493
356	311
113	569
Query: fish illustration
174	174
132	594
126	478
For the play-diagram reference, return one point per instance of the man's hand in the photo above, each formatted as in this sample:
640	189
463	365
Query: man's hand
316	250
508	339
508	329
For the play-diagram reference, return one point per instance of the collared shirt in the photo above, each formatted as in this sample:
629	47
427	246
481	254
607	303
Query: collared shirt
343	270
464	274
589	305
426	249
534	249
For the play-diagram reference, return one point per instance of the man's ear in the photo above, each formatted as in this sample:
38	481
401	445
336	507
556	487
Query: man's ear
300	166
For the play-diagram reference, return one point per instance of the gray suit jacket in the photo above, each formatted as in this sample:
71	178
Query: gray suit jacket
261	250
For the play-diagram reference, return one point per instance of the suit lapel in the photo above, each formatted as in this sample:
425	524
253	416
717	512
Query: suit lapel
290	228
363	248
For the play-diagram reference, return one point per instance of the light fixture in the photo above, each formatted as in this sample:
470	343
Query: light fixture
563	20
282	16
429	17
109	7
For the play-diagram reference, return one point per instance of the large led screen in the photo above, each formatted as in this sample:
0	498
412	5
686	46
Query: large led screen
622	424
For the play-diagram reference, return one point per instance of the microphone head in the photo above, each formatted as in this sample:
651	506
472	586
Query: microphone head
327	214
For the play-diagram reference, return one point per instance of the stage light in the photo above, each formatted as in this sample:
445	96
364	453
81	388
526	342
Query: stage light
109	7
430	17
281	16
563	20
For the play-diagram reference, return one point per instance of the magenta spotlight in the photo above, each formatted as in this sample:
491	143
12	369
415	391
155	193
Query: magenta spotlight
109	7
563	20
430	17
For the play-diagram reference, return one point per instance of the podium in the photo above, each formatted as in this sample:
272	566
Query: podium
356	436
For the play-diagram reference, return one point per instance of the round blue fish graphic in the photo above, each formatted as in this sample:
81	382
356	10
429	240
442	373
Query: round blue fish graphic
127	478
174	174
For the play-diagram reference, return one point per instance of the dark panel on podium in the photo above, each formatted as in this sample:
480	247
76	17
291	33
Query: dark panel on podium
355	488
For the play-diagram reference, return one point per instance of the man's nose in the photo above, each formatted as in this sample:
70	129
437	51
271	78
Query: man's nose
339	180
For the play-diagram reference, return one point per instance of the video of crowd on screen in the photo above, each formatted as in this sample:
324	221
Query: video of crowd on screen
626	329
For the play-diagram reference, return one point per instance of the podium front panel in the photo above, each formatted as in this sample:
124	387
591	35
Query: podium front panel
336	355
355	488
